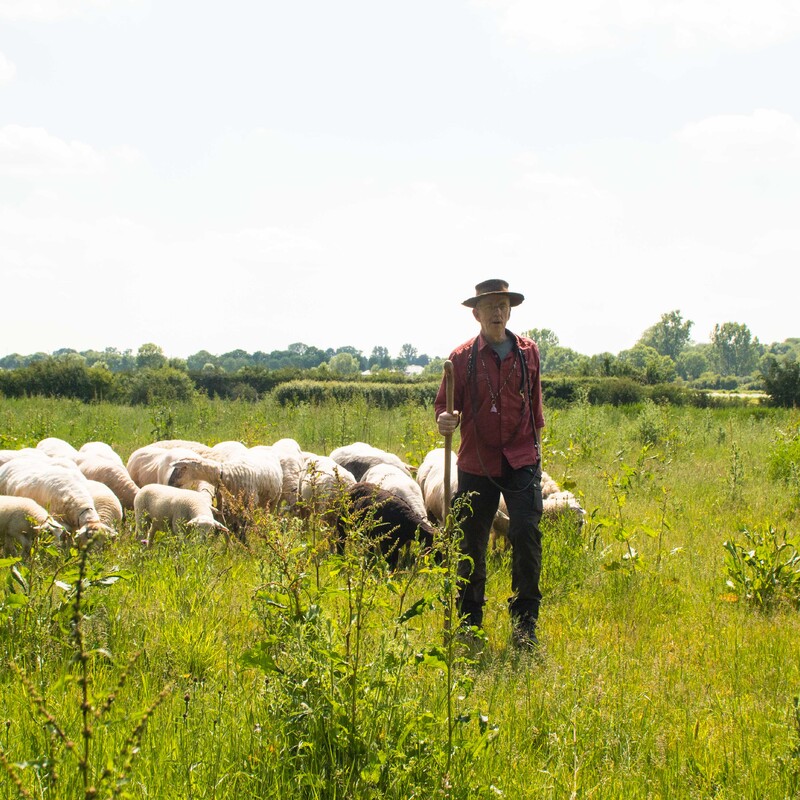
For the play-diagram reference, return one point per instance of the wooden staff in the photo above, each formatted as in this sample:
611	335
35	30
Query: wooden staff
448	438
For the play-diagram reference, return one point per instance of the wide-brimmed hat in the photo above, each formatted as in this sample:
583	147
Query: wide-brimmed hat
493	287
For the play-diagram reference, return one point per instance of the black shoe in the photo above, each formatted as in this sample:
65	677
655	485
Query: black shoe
523	634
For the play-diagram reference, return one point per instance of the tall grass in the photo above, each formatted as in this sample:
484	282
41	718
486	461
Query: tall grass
280	670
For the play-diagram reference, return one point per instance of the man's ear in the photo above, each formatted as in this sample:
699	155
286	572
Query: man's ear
475	314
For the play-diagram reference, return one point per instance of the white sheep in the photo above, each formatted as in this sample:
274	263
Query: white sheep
114	474
101	449
563	502
291	457
398	482
21	522
253	479
7	455
184	444
226	449
358	457
555	503
61	489
430	477
160	508
322	481
108	506
152	463
54	446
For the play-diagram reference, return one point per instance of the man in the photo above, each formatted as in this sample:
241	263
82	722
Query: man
498	403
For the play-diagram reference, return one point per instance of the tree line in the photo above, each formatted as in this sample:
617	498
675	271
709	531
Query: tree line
664	354
343	360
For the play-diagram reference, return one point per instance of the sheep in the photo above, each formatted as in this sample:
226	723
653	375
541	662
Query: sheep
226	449
358	457
555	503
61	489
100	449
395	523
184	444
290	456
98	467
430	477
54	446
398	482
254	479
322	482
321	479
159	507
7	455
292	465
21	522
152	463
108	506
564	502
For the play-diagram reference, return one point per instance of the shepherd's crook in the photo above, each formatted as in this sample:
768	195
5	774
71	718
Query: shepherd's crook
448	438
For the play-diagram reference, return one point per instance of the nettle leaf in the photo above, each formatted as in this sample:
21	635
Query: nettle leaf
416	610
260	657
14	599
435	657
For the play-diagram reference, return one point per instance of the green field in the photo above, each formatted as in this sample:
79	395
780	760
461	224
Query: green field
197	669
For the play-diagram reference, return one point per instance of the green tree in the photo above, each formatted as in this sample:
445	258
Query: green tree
198	360
434	367
669	336
563	361
162	385
408	353
380	358
235	360
734	350
693	362
150	356
546	340
344	364
646	364
782	380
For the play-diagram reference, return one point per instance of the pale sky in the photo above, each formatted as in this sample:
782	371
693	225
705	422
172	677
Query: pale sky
254	173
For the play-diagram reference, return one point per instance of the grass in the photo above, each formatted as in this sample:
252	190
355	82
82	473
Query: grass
275	670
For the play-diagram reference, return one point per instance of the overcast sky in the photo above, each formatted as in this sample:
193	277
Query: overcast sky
254	173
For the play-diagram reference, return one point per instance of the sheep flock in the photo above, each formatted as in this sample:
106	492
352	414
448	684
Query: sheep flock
174	487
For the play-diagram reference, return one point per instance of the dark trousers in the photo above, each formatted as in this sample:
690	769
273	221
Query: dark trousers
522	491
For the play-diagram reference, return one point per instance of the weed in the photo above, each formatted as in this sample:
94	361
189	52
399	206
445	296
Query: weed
163	421
79	584
735	473
764	569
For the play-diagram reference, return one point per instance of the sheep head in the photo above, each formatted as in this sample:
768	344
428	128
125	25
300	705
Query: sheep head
206	525
186	471
94	531
52	527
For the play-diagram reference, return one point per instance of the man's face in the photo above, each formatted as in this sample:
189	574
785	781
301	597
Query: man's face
493	313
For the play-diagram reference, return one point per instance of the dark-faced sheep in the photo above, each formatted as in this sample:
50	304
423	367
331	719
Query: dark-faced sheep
386	518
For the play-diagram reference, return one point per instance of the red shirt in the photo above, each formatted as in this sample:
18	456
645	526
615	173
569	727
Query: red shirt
487	435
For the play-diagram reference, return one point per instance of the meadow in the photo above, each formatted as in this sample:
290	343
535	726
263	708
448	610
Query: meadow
669	667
